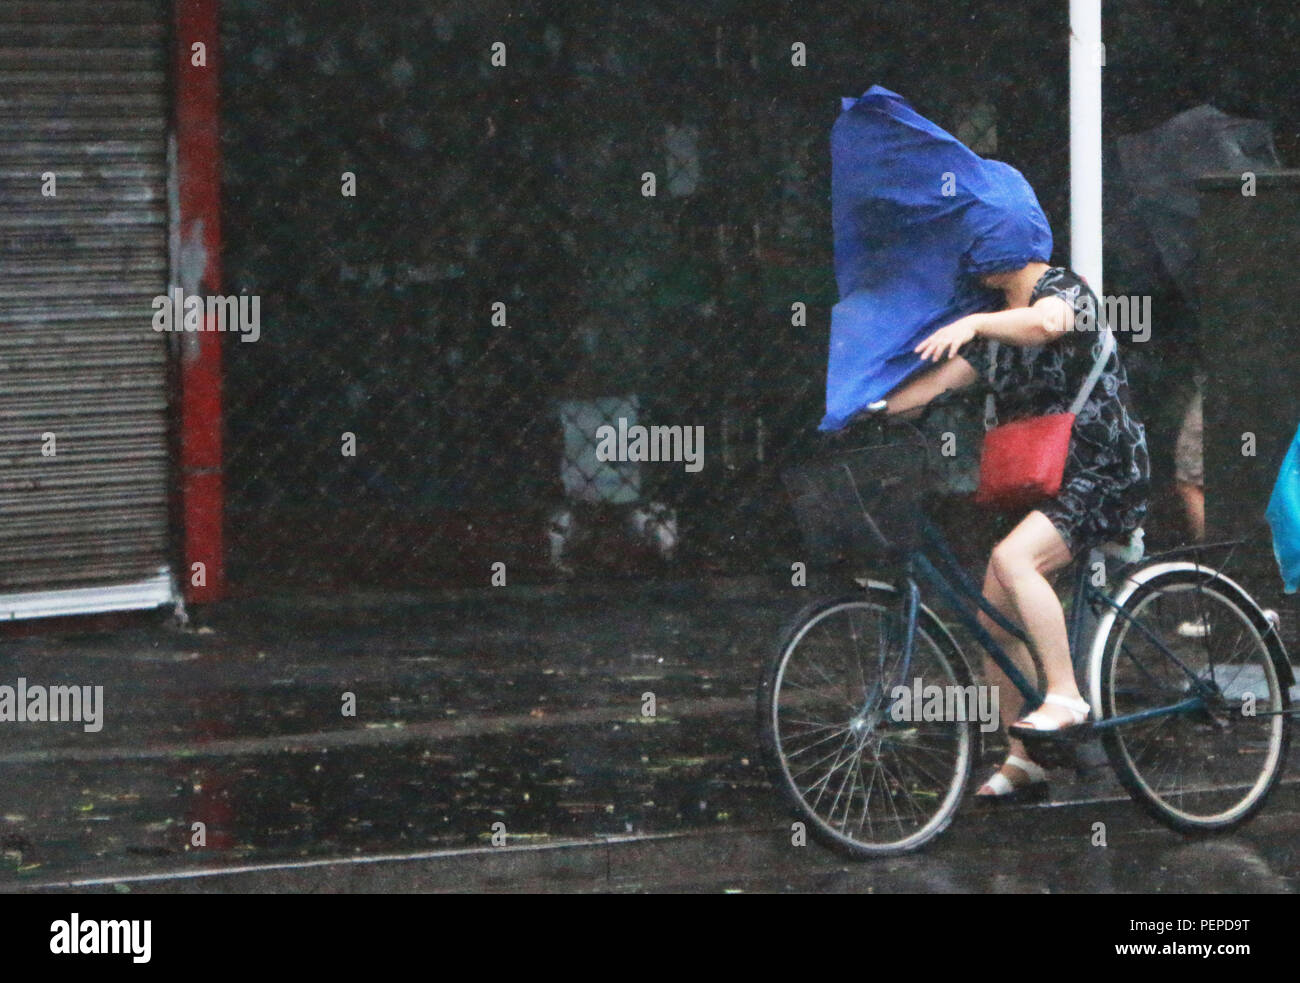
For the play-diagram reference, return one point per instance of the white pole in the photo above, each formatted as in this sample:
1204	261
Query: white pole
1087	56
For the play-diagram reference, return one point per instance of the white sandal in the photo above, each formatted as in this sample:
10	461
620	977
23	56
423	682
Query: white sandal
1039	722
1003	786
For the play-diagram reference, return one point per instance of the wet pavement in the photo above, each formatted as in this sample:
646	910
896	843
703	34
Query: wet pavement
521	707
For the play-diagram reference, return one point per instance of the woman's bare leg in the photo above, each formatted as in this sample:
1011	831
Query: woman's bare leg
1193	497
1010	707
1019	563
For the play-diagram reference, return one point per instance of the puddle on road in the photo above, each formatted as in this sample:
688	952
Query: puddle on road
79	819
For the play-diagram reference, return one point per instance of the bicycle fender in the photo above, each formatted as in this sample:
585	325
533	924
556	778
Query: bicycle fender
1139	578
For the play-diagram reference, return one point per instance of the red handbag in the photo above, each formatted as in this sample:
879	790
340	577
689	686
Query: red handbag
1024	462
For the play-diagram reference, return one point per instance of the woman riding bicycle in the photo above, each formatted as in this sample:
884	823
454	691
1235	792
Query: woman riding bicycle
1040	362
942	265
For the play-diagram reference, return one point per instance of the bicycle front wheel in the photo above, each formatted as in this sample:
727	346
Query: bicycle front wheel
1197	667
867	783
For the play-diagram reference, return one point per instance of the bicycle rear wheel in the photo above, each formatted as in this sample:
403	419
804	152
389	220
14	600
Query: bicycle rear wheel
1207	767
866	783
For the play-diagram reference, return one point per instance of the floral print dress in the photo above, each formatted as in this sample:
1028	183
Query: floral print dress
1107	479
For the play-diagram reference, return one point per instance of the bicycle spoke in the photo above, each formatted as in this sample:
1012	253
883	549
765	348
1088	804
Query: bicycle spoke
852	774
834	754
903	786
811	725
809	747
857	655
924	774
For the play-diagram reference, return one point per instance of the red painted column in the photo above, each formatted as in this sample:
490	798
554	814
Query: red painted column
199	187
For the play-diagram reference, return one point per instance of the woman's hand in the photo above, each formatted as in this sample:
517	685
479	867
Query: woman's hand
947	342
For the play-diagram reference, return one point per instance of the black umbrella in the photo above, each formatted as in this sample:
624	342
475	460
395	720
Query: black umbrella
1159	168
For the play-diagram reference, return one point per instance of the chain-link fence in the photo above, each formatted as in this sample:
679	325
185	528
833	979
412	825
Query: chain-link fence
440	350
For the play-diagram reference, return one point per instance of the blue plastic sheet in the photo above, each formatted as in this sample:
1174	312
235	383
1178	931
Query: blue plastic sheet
917	217
1284	517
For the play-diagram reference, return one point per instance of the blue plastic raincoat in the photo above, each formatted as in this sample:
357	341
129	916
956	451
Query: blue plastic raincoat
917	217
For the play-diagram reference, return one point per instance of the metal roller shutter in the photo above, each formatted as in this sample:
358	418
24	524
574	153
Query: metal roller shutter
83	96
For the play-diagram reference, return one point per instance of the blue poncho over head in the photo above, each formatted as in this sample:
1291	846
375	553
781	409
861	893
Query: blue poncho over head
917	217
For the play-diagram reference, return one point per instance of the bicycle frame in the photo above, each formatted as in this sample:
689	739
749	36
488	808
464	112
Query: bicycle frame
955	585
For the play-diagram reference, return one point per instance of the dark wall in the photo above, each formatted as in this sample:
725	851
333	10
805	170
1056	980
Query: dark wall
1249	335
519	185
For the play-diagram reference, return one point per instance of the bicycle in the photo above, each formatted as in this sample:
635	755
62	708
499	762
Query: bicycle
1195	722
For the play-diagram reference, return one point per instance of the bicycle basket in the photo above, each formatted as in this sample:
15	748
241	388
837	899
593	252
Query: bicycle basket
862	503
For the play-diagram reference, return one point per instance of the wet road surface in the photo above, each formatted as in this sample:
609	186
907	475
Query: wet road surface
1041	849
477	710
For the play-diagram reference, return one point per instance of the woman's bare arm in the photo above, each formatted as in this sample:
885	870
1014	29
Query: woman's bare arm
1036	325
955	373
1045	321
